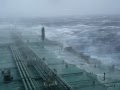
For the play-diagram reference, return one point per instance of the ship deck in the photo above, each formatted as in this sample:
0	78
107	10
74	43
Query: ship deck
43	60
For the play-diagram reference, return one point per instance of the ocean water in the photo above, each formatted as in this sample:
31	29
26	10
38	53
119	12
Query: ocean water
96	36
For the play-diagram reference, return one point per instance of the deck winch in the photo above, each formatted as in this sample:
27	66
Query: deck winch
7	75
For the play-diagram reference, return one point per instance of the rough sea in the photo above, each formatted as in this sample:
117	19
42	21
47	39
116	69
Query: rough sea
96	36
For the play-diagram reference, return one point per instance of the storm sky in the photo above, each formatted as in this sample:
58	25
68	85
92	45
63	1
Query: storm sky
48	8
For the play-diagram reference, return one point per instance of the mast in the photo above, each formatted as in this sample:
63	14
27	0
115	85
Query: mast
43	34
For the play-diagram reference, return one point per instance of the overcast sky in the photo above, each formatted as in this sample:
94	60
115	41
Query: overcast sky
41	8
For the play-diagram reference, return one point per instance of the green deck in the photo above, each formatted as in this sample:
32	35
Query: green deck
77	77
